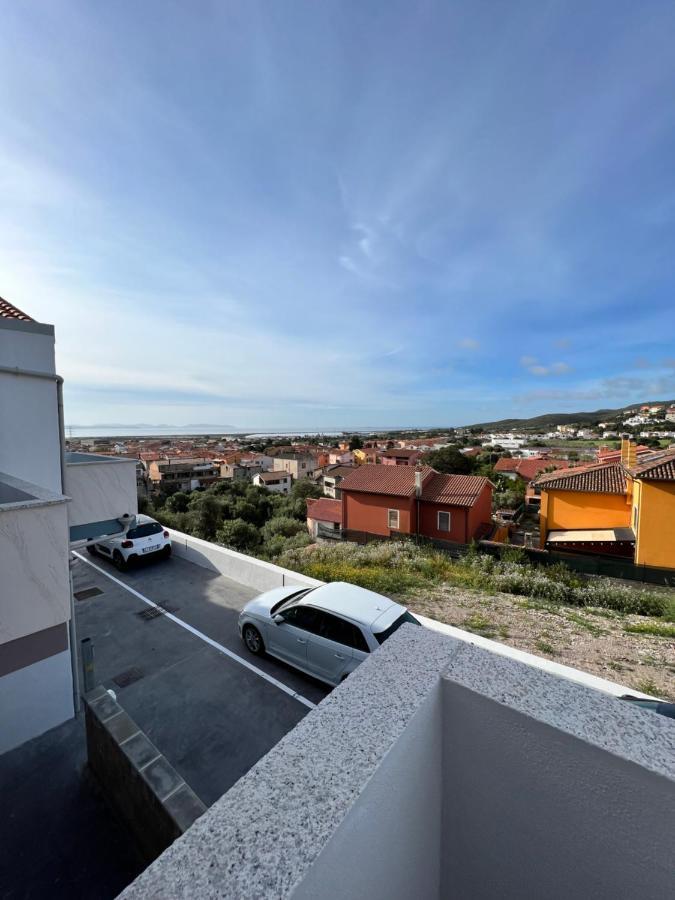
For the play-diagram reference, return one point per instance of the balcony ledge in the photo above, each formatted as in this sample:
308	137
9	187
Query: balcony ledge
15	493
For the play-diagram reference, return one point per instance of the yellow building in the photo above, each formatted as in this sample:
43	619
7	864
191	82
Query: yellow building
619	508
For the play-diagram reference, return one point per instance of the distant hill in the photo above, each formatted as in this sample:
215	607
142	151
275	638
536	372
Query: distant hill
549	420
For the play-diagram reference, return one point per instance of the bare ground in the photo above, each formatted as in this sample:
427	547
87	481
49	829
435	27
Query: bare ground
593	640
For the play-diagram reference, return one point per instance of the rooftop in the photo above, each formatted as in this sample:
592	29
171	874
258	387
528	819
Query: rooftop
529	468
399	481
325	510
612	477
278	475
9	311
600	478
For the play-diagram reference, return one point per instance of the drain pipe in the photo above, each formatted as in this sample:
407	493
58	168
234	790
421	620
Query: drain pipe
72	628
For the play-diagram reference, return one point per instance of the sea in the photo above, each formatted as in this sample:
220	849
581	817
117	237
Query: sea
137	431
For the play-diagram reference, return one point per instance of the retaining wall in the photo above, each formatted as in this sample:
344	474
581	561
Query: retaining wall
138	782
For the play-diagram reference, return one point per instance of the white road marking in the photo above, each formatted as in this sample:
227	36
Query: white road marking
201	635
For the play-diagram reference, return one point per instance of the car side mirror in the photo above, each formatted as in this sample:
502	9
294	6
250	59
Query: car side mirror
278	619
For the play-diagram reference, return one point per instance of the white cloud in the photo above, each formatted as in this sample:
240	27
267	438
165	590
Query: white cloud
468	343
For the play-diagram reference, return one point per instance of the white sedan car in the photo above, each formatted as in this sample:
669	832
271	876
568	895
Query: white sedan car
146	539
324	631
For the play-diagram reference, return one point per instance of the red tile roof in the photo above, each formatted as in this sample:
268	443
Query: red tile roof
529	468
7	311
399	481
607	455
325	510
658	467
603	478
277	475
395	481
455	490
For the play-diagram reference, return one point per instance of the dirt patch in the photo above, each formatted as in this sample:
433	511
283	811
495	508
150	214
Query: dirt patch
588	639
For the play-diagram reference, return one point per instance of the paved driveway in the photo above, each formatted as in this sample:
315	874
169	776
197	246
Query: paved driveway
183	674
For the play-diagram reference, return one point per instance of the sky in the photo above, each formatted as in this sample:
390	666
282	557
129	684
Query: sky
342	214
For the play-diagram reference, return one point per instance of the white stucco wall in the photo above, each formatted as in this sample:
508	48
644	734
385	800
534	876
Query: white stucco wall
29	427
34	578
530	810
388	845
35	699
101	490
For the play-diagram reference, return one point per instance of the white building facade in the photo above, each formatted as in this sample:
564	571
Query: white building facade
48	500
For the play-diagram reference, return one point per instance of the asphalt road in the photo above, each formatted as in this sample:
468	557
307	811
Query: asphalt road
186	678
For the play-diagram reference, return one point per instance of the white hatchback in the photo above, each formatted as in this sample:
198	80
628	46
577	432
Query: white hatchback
146	539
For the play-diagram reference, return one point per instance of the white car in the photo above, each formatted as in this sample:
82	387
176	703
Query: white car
146	539
324	631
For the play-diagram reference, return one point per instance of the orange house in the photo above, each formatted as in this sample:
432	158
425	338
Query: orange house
389	500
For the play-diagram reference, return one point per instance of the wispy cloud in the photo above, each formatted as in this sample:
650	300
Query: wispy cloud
244	212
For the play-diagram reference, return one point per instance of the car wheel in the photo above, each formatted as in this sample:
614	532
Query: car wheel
91	549
167	551
253	639
119	561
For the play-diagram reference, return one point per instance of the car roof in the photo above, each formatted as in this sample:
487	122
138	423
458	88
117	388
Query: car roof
355	603
142	519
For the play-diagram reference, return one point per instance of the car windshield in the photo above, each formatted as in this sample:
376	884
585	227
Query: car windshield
141	531
381	636
289	601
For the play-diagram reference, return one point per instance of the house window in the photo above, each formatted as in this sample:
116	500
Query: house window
392	518
443	521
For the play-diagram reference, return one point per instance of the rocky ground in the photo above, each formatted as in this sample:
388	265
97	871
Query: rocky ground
594	640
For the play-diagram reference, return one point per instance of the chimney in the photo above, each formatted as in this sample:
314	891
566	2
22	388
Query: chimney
418	482
628	451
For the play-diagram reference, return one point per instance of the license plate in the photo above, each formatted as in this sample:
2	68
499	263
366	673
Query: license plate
151	549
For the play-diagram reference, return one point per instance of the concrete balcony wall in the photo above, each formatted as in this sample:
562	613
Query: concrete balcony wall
101	488
35	666
441	770
34	577
29	425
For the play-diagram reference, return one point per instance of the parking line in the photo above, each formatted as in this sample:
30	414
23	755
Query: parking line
201	635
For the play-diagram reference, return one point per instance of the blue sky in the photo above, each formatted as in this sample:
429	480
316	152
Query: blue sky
302	214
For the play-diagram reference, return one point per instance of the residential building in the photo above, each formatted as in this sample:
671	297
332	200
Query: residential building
279	482
340	457
670	414
324	518
401	457
242	471
332	478
299	465
624	507
50	501
364	455
183	473
388	500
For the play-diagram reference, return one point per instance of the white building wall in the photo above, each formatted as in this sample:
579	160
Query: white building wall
100	489
34	577
399	857
29	426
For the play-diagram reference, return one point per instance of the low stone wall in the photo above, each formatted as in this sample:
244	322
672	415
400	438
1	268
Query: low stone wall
248	570
138	782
